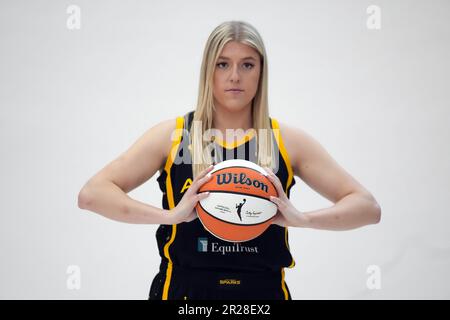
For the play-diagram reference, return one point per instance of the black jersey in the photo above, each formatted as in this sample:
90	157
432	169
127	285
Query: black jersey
191	246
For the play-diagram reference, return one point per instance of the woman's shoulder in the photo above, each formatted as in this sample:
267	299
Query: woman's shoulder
289	131
303	149
164	132
296	141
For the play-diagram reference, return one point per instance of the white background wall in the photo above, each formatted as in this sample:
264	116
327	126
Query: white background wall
72	100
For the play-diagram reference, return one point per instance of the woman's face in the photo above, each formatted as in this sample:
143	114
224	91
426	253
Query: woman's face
238	67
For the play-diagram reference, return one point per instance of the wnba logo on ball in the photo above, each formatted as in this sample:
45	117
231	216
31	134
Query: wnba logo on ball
239	208
227	178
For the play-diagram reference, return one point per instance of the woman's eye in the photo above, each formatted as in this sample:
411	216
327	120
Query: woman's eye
246	65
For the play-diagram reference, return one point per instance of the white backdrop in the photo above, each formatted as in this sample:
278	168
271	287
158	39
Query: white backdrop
73	100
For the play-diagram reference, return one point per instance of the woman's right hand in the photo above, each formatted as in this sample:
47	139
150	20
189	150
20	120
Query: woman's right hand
185	209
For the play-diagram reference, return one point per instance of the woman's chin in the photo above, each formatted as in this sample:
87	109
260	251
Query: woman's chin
234	107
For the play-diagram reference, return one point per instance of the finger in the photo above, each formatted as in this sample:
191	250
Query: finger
276	182
195	186
275	200
204	172
280	203
274	177
203	181
267	170
201	196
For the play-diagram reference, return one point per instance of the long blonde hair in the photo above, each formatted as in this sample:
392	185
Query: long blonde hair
244	33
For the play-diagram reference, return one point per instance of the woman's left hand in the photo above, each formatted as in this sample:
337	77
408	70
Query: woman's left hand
287	214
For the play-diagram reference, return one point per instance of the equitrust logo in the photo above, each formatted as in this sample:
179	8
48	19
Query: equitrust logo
203	245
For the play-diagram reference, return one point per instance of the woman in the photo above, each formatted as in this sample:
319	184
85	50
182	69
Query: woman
232	95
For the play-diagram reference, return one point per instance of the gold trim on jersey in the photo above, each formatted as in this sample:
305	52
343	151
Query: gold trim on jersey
283	152
285	156
171	201
235	143
283	285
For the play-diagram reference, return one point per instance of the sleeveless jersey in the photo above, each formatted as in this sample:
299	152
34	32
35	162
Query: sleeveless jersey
190	245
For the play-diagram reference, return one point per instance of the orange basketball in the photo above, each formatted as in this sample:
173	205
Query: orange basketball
238	207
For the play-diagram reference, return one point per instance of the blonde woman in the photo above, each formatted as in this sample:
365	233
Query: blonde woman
231	120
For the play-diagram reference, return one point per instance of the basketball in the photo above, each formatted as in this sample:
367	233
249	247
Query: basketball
238	207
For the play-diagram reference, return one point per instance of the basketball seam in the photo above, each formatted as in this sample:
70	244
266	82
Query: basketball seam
235	192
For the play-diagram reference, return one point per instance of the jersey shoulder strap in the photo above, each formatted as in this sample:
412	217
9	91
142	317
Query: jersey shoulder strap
187	121
188	117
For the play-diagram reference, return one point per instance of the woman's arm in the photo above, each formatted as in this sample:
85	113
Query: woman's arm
353	211
107	199
106	192
354	206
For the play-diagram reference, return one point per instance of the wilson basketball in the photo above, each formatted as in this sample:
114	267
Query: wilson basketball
238	207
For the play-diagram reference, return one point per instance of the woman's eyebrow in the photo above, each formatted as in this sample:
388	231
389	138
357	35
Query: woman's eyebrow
226	58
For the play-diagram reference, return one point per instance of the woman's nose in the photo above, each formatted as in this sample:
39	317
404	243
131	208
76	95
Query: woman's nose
234	73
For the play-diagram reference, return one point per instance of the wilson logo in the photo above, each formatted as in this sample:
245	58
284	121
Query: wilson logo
227	178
